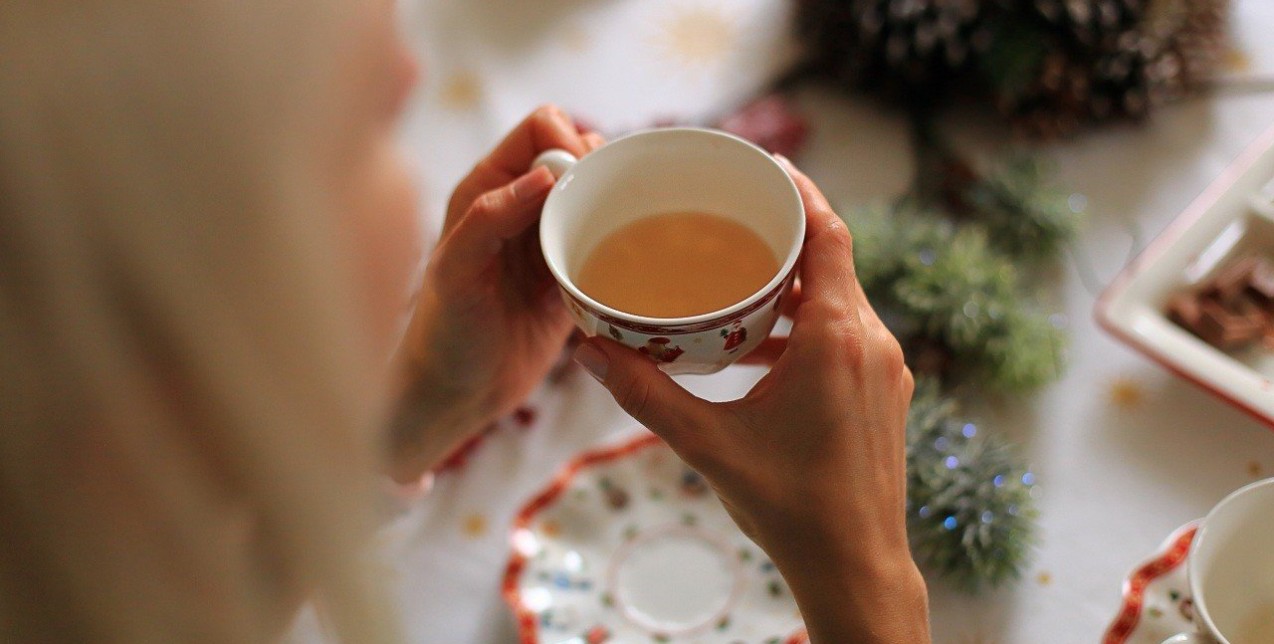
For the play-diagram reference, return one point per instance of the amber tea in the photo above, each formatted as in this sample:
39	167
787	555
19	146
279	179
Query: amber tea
677	264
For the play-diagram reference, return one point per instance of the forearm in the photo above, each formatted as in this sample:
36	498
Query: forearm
434	410
428	423
881	600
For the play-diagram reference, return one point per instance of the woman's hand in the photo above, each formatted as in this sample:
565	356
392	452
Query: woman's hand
489	324
811	463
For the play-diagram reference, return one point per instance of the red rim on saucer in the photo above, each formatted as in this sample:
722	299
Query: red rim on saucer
528	620
1171	555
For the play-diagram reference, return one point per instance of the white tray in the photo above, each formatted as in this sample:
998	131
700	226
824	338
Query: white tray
1234	216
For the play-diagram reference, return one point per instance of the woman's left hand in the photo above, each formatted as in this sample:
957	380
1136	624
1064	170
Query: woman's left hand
489	324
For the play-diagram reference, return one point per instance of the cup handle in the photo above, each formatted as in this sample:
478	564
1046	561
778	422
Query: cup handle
557	161
1190	638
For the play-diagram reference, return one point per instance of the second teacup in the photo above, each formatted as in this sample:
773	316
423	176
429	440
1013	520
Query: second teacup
1231	570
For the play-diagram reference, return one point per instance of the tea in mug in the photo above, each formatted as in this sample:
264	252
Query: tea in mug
1258	628
677	264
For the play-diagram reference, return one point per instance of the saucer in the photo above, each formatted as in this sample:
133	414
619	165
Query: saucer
1157	602
628	545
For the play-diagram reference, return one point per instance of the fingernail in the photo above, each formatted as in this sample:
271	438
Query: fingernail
533	185
593	360
782	159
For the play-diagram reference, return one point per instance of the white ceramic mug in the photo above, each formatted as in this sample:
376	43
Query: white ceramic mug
669	170
1231	571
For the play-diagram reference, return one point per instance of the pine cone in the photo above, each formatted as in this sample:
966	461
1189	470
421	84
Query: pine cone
912	48
1050	66
1192	35
1127	62
1090	23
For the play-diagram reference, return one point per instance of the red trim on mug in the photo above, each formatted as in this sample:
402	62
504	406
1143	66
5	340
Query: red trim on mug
716	323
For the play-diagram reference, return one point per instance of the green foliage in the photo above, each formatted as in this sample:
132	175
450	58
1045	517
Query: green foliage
970	513
1025	217
949	267
1025	353
944	285
942	267
1015	54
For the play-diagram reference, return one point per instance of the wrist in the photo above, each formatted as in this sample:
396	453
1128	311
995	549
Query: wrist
859	595
431	418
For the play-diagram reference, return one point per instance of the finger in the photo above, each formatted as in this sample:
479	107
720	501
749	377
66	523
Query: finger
593	141
583	125
793	300
768	353
494	218
827	265
648	394
545	129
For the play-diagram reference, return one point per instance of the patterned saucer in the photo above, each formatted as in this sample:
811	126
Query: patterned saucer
1157	602
628	545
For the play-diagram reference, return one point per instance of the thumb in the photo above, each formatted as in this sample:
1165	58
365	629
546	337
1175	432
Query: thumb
646	393
494	218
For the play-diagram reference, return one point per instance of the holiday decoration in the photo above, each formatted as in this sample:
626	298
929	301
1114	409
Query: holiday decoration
662	350
1102	58
913	50
1050	66
951	268
735	337
970	507
770	122
1023	214
955	304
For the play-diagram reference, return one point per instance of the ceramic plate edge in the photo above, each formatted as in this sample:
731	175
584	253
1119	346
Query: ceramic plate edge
1167	557
527	622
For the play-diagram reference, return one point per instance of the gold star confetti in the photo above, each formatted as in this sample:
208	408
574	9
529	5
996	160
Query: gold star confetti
1044	578
698	36
551	529
1235	60
1254	469
475	526
462	91
1126	393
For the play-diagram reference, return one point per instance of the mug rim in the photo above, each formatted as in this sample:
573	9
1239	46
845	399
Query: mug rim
723	314
1200	604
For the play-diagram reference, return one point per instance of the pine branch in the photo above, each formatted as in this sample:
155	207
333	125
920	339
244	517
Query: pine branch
970	515
1025	216
954	302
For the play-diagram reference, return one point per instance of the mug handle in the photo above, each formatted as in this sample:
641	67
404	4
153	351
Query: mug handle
1190	638
559	162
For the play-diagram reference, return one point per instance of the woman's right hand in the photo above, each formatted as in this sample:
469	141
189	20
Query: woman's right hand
811	463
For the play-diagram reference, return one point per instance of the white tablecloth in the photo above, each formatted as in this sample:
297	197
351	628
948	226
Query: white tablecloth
1124	452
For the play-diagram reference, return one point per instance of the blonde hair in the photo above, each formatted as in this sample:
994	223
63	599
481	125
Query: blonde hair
188	414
